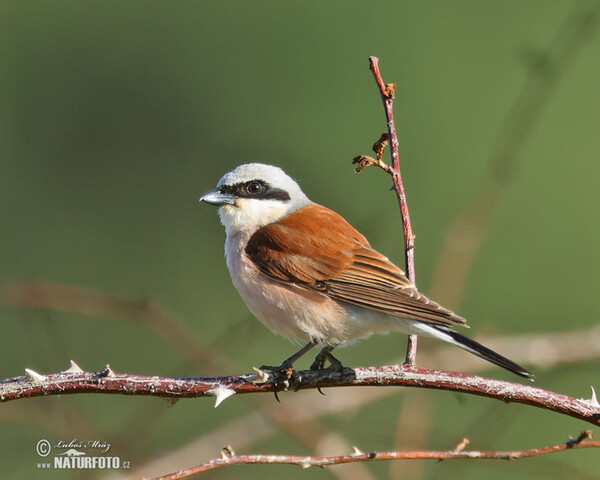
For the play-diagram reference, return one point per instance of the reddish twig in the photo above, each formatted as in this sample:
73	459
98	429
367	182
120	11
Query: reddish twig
228	457
75	380
387	96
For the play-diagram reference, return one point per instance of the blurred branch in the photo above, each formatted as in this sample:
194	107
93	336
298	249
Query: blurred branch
228	457
413	426
93	302
75	380
469	229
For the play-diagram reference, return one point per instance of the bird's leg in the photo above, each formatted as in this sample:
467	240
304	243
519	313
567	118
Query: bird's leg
324	355
319	362
289	362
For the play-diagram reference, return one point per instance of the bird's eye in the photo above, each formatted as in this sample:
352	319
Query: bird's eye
254	188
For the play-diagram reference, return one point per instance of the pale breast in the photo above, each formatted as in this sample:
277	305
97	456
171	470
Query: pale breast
287	310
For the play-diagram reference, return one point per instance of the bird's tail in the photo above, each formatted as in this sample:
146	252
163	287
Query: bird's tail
475	348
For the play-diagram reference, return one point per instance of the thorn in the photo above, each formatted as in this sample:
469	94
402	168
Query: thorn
170	401
220	393
73	368
592	401
357	451
321	391
461	446
32	376
260	376
305	465
276	397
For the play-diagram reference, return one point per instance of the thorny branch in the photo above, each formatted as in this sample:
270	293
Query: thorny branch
228	456
74	380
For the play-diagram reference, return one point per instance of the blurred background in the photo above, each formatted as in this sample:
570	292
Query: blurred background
116	116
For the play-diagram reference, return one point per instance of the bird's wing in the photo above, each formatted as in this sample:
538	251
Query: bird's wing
316	248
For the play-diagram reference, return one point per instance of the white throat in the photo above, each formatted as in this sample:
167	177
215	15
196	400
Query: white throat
247	215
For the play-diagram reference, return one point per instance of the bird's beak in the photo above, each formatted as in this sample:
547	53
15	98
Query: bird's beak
215	197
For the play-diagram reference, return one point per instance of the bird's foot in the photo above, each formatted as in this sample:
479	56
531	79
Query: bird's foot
325	356
284	366
287	366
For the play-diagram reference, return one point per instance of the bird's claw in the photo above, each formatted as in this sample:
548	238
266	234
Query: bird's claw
283	367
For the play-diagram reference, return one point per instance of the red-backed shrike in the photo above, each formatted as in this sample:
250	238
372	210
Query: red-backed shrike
309	276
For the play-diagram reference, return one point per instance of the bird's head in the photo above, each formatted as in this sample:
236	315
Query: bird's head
254	195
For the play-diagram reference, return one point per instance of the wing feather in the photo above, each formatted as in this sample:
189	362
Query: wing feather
315	248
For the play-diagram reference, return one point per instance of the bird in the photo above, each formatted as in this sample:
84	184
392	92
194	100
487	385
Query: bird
311	277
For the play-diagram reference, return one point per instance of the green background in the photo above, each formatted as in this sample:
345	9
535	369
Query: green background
116	116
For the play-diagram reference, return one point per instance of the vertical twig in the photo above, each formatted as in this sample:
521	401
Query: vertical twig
387	96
